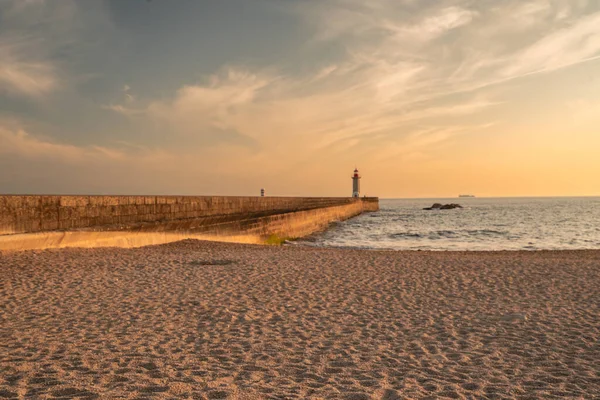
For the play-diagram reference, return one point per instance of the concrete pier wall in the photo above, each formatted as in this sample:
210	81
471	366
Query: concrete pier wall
64	221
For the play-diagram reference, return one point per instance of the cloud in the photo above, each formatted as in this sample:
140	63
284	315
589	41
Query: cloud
567	46
25	66
281	119
407	66
21	73
437	24
125	109
486	48
17	142
209	113
220	97
129	98
38	38
371	81
452	110
383	18
121	109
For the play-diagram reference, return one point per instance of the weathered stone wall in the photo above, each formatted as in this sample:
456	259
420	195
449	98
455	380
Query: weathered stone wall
206	215
241	228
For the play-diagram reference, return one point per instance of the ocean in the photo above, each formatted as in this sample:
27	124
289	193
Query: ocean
557	223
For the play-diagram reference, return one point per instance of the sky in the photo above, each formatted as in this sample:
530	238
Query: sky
428	98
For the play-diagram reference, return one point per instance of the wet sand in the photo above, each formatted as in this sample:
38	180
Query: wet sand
214	320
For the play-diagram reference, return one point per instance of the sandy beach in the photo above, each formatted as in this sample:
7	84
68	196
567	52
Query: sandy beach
201	320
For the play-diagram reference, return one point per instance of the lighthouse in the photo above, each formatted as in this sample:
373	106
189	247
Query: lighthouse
356	184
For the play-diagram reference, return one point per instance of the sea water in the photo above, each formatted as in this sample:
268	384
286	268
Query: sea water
483	224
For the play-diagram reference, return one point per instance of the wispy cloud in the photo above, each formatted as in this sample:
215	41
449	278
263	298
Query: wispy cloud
397	71
21	73
570	45
434	25
124	110
37	38
25	69
283	116
17	142
489	45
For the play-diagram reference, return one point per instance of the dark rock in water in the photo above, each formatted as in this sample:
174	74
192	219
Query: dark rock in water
438	206
450	206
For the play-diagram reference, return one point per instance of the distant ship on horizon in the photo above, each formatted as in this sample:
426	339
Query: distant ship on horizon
466	195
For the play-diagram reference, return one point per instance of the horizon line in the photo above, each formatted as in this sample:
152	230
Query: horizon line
492	197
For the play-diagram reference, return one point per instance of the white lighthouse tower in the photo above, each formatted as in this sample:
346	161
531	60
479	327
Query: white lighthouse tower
356	184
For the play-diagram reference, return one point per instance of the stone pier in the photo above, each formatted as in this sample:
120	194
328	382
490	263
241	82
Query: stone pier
29	222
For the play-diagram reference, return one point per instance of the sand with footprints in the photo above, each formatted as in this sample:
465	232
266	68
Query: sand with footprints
201	320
